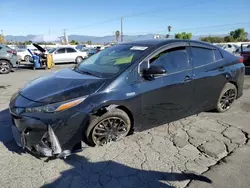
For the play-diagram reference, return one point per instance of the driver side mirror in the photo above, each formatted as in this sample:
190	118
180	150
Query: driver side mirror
154	71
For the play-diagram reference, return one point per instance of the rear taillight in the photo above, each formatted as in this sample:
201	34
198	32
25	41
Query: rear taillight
12	52
241	60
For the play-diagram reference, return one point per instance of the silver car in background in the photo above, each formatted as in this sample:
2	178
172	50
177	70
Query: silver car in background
67	54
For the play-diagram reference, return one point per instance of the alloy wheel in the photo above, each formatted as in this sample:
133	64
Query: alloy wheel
109	129
4	67
227	99
79	60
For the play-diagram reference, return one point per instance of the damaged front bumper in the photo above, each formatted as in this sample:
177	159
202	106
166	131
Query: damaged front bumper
57	140
49	145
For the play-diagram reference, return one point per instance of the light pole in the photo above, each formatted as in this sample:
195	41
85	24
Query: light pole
121	29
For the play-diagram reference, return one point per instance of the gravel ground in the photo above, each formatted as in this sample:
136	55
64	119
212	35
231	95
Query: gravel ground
170	155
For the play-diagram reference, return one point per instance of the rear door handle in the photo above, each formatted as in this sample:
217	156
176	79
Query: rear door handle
187	79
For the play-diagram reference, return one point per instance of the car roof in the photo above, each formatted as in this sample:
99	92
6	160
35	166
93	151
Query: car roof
161	42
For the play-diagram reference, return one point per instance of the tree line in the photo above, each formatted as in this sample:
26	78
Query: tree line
238	35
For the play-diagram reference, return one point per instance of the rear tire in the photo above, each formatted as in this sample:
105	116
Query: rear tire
79	59
112	126
227	97
5	67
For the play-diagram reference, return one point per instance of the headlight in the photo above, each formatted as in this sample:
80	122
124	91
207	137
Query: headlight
14	95
57	107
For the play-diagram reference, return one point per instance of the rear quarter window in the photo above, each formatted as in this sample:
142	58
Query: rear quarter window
202	56
217	55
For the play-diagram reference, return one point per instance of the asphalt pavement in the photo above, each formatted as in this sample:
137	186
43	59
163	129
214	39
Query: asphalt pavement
208	150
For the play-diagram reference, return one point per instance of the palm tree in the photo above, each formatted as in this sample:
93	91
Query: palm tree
169	30
117	35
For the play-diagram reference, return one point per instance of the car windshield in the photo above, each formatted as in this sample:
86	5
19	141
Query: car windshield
52	50
111	61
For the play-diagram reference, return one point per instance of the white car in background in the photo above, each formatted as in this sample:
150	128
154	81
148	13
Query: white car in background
24	54
67	54
231	48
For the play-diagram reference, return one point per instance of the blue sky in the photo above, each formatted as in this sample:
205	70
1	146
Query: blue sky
102	17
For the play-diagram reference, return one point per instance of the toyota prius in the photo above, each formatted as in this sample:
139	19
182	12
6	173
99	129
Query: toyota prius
127	88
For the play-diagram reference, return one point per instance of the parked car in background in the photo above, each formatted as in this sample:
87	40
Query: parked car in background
245	53
85	49
8	59
80	47
238	51
91	51
126	88
67	54
98	48
231	48
25	55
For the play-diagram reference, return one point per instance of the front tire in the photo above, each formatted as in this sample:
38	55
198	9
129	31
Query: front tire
111	126
227	97
79	59
5	67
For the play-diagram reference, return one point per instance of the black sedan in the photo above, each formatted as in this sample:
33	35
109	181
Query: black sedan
123	89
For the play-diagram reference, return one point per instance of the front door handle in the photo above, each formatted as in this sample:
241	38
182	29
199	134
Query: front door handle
187	79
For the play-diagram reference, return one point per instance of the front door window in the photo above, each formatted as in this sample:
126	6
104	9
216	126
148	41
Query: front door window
173	60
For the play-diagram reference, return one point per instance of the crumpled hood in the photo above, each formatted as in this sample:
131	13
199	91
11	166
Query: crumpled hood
60	86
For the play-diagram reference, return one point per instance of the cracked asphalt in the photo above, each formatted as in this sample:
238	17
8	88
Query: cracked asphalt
178	154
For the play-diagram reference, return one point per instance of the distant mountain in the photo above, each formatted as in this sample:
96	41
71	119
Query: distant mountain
18	38
101	40
85	38
109	38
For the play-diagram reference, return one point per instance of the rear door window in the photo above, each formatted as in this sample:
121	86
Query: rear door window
202	56
173	60
70	50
